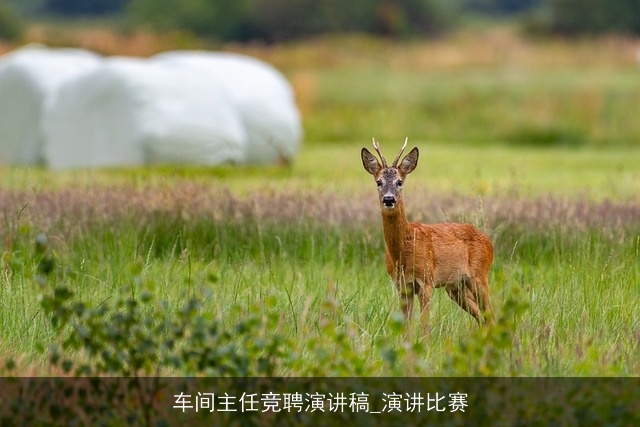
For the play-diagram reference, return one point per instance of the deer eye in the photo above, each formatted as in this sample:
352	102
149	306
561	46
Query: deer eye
399	183
379	183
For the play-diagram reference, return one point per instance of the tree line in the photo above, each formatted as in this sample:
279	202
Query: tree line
277	20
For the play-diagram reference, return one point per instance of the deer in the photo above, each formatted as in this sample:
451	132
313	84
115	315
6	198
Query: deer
420	257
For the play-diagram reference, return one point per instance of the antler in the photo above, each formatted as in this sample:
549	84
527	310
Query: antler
377	147
395	161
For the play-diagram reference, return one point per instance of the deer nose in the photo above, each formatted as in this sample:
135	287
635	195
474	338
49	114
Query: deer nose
389	201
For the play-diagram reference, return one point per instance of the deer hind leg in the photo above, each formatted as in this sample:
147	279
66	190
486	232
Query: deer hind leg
463	294
476	295
482	292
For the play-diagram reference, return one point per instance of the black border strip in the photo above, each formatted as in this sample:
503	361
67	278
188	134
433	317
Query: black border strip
320	401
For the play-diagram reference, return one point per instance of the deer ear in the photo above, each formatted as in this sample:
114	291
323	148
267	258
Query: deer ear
370	163
410	161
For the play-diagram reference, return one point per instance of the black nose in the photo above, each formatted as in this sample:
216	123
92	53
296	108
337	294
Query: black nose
388	201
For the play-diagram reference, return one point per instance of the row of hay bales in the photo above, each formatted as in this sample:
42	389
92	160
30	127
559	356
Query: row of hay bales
68	108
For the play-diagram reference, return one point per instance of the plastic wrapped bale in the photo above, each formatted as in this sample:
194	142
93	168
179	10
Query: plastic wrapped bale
261	94
28	76
131	112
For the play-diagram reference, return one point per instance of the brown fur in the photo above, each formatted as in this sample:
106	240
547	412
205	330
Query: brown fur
421	257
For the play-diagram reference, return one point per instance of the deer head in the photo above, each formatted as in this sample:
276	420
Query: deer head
389	179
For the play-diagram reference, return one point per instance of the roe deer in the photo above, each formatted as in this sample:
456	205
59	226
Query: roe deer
421	257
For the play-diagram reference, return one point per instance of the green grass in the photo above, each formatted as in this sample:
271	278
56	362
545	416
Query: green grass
325	277
544	158
478	106
589	172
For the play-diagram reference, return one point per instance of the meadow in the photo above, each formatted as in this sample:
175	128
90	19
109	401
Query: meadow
536	143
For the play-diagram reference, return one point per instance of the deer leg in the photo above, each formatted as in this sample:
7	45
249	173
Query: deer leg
477	296
483	300
464	297
454	294
471	301
406	292
424	291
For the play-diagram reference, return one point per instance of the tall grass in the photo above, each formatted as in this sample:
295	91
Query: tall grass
324	277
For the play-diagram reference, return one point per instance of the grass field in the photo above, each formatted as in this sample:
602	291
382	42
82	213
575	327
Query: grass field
542	157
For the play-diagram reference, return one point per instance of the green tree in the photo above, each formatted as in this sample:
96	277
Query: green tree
595	16
84	7
225	20
274	20
26	7
502	7
11	26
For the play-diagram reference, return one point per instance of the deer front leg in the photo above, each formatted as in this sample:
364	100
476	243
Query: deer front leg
424	291
406	292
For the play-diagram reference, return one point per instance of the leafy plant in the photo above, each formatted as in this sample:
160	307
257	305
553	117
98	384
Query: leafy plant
137	337
487	352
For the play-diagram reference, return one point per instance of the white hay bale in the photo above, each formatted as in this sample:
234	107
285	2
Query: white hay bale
28	76
261	94
132	111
